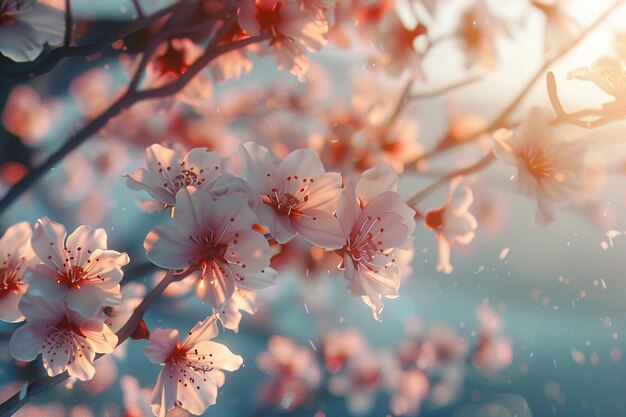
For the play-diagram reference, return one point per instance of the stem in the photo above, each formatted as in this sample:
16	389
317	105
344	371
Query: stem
138	9
500	119
127	100
484	162
69	24
445	89
45	383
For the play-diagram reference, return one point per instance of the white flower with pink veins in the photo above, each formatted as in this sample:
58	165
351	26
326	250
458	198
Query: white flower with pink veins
290	28
215	237
375	222
80	271
16	255
549	170
192	370
170	169
65	340
26	26
298	196
452	223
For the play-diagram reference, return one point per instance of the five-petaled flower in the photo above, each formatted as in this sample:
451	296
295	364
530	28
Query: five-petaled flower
16	256
65	340
298	196
169	171
375	222
214	237
80	271
192	370
548	169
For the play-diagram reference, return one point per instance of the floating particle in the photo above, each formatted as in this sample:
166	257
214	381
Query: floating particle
615	354
603	283
306	308
313	345
504	252
23	391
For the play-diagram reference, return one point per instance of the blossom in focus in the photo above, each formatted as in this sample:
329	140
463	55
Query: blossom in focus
169	170
116	316
549	170
374	221
298	196
452	223
215	238
192	370
290	28
16	255
137	400
294	373
66	340
79	270
27	26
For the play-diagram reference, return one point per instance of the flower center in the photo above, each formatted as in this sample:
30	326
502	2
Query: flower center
73	278
537	163
434	218
270	21
9	281
172	62
66	325
290	197
364	244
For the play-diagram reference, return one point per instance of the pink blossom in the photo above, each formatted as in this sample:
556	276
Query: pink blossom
294	370
16	256
452	223
230	313
66	341
27	26
214	237
560	29
79	270
298	196
169	171
291	30
374	221
340	346
192	370
549	170
116	316
411	389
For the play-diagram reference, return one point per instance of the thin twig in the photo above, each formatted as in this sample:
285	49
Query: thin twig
138	9
445	89
69	24
484	162
445	144
126	101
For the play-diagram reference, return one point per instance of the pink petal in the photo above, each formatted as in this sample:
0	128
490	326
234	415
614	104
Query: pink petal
221	357
26	340
167	248
48	242
375	181
320	228
202	331
82	241
258	165
161	343
87	300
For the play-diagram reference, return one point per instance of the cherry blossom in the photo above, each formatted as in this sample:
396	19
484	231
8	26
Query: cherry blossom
230	313
340	346
291	30
374	221
27	26
79	270
452	223
609	74
298	196
294	373
549	170
192	370
560	28
168	170
16	256
215	238
65	340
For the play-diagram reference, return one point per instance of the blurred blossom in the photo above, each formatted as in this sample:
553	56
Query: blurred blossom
192	370
16	256
291	30
560	28
609	74
294	373
27	116
359	383
477	32
410	391
340	346
94	92
137	400
549	170
27	26
452	223
494	351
